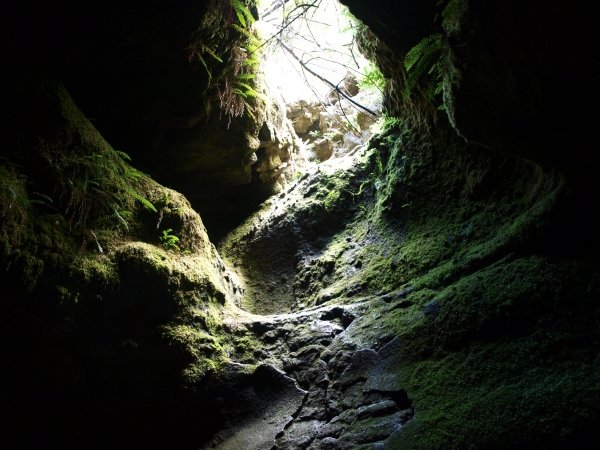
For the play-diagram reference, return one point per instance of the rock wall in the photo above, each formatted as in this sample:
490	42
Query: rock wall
147	78
112	294
511	71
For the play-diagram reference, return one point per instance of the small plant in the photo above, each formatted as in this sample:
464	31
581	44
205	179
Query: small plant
372	78
236	90
169	241
100	187
198	50
236	85
425	58
14	204
330	200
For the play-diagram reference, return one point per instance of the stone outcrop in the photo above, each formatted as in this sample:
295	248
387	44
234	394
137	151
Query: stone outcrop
351	398
146	78
336	128
277	157
112	306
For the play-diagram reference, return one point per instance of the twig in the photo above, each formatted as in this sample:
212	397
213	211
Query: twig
344	113
286	25
274	8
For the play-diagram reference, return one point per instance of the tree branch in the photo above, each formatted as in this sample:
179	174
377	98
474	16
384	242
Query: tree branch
284	26
325	80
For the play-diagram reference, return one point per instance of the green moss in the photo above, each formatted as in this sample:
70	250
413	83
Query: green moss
503	347
243	349
96	269
330	200
32	240
202	351
495	333
444	233
505	395
479	305
207	316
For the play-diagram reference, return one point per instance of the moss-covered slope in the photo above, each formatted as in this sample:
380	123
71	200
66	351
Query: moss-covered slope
484	321
113	294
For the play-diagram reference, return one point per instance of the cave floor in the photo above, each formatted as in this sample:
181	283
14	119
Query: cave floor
326	362
326	381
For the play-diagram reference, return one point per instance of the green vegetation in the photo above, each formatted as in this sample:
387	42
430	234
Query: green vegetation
198	50
494	334
505	348
169	241
492	338
235	79
330	200
202	351
14	204
428	64
98	189
426	58
372	78
239	89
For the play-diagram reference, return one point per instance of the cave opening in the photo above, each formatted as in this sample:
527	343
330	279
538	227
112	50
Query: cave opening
315	45
312	60
301	64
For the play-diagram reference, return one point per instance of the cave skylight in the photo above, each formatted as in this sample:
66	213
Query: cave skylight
311	47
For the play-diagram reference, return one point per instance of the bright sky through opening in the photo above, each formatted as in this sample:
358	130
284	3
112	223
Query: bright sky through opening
318	32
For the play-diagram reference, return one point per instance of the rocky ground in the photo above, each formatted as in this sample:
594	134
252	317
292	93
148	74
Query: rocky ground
340	392
332	361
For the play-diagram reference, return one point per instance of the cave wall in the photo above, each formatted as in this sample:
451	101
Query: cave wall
97	315
146	78
511	124
106	327
518	77
512	83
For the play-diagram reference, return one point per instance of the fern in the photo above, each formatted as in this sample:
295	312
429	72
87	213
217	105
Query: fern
245	31
242	12
99	188
143	200
212	53
14	205
424	58
124	156
42	200
247	91
245	76
169	241
422	48
118	215
249	110
235	85
372	78
238	88
197	50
